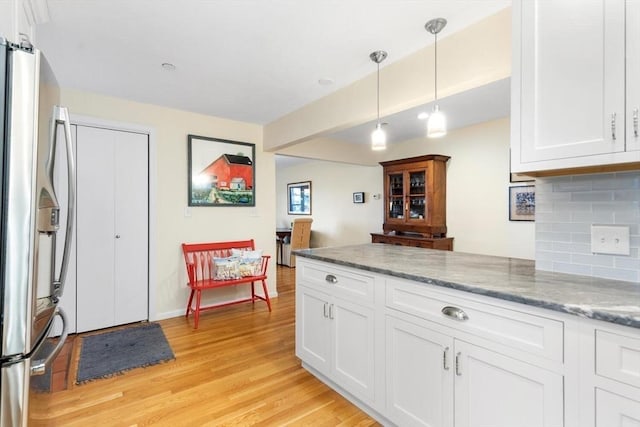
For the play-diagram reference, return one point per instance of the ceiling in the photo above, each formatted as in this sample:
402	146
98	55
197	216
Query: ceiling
247	60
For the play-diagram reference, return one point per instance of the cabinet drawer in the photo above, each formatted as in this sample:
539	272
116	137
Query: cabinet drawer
536	335
618	357
340	282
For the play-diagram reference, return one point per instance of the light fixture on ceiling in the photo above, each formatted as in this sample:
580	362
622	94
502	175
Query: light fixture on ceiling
437	122
167	66
378	136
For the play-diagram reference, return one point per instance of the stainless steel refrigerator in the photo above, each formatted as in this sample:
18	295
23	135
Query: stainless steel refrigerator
32	273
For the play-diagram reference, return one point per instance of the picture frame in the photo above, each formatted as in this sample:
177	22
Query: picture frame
299	198
522	203
221	172
358	197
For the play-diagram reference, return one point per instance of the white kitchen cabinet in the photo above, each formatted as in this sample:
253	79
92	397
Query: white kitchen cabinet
616	380
613	410
112	228
568	85
335	335
633	75
430	373
418	374
432	356
494	390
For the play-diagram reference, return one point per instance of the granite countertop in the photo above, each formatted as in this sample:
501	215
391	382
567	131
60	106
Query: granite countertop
505	278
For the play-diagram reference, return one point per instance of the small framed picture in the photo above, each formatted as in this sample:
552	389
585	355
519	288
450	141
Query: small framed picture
522	203
358	197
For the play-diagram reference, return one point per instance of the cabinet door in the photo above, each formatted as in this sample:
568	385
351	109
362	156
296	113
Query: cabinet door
568	79
633	76
353	348
419	375
313	329
394	188
498	391
613	410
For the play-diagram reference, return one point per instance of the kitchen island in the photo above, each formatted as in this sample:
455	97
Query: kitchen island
425	337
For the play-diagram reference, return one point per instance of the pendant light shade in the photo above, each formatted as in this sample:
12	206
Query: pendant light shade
437	122
378	136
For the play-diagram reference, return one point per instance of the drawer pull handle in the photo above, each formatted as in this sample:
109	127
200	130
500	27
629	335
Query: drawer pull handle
325	309
331	311
455	313
458	370
331	278
445	357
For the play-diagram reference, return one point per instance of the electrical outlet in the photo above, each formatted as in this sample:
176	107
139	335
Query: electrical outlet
187	211
610	239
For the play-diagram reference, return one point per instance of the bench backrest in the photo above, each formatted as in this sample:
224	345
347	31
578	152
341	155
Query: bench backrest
198	256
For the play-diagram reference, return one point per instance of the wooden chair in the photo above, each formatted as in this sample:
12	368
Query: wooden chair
300	236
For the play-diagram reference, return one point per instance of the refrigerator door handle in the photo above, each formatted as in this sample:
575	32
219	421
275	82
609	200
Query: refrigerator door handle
39	367
61	117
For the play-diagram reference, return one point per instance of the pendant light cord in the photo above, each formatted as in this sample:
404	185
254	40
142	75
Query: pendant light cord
436	66
378	93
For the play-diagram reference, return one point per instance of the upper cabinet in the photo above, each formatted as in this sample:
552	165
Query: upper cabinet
569	87
415	195
633	76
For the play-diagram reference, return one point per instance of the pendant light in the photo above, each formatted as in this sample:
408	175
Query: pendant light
378	136
437	122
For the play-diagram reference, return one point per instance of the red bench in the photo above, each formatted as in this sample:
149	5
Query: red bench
201	274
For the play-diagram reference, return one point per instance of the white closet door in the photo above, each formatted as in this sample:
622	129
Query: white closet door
112	243
131	228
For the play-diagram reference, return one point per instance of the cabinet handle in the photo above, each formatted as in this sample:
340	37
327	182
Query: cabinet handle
445	357
331	311
635	123
458	371
455	313
331	278
324	309
613	126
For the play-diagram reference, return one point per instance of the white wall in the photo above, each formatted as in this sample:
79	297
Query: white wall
170	130
337	220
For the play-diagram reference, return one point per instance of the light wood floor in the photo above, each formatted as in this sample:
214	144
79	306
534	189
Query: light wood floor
238	369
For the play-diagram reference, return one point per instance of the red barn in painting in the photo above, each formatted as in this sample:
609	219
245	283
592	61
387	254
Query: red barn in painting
230	168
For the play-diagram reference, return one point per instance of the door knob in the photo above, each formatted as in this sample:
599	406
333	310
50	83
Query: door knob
117	236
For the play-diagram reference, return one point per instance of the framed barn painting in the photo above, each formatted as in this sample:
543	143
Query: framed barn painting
221	172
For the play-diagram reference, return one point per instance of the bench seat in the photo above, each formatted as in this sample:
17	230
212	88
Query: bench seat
201	275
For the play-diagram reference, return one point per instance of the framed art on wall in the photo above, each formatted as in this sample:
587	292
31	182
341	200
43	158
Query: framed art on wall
522	203
221	172
358	197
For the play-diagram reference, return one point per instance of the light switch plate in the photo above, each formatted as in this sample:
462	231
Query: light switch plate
610	239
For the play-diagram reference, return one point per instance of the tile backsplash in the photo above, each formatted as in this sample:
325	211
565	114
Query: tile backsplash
566	207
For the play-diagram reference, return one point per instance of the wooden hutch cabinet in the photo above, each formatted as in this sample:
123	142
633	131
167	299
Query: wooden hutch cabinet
415	203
